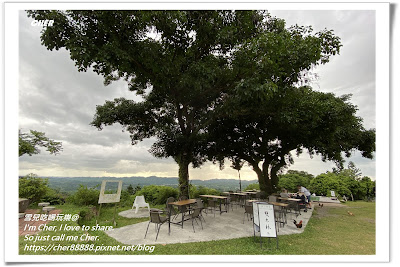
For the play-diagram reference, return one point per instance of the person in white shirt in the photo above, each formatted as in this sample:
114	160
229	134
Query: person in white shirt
306	193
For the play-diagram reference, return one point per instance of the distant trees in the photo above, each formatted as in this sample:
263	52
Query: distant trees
32	187
29	143
292	178
344	182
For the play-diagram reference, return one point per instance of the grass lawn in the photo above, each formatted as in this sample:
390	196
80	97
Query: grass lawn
330	231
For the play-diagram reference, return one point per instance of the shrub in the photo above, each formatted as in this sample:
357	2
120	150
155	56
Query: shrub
157	194
85	196
86	214
195	192
252	187
126	199
54	197
32	187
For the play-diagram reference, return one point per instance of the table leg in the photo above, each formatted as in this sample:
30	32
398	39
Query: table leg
182	219
169	221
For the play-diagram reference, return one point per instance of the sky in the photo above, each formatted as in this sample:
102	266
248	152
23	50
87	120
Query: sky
57	99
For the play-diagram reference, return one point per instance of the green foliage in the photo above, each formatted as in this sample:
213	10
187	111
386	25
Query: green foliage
130	190
29	143
292	178
85	196
157	194
252	187
86	214
54	197
196	191
342	185
32	187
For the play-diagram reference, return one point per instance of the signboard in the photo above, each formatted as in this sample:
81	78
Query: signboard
264	219
110	198
267	220
255	214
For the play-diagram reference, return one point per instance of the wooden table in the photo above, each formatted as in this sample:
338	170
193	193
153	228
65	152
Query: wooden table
179	203
220	198
283	207
297	200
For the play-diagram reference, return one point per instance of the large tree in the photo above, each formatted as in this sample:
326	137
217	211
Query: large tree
178	61
296	118
184	64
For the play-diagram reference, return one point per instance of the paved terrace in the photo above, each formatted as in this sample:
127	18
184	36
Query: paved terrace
225	226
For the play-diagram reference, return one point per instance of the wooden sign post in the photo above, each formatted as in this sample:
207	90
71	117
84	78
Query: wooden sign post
109	198
264	221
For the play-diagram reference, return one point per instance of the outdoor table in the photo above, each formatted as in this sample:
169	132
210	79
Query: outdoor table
179	204
242	197
283	207
297	200
220	198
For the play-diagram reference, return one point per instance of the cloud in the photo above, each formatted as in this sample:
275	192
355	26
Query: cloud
57	99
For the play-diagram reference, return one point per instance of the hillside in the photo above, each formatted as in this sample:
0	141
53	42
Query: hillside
70	184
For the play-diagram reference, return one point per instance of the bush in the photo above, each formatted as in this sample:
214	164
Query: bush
86	214
195	192
157	194
32	187
252	187
126	199
85	196
54	197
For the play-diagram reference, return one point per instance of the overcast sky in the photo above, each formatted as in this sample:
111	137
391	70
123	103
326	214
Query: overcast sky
57	99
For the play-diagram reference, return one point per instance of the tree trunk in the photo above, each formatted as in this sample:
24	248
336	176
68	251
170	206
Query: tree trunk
263	180
240	182
183	175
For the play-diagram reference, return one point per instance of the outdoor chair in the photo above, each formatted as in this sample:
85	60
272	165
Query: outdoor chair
200	205
234	200
285	195
170	208
211	205
272	199
140	202
248	209
228	203
196	215
157	220
183	209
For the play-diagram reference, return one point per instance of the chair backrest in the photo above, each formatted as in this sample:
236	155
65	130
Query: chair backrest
183	198
169	200
248	209
199	203
155	216
140	200
196	212
284	194
272	199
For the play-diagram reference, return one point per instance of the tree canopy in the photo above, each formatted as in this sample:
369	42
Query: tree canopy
29	143
296	118
198	71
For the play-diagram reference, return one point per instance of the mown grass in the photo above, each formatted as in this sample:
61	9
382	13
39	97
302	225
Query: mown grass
330	231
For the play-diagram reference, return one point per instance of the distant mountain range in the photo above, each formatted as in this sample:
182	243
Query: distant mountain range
70	184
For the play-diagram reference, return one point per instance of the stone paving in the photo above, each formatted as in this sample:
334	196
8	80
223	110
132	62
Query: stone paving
219	227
